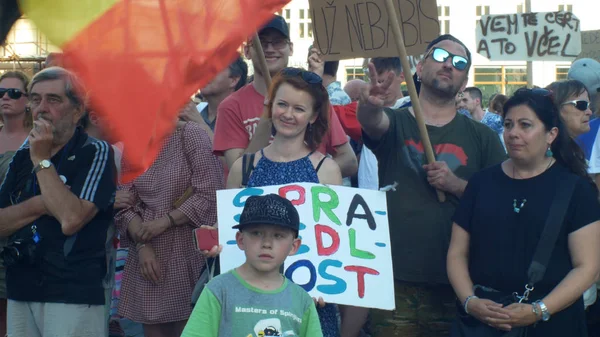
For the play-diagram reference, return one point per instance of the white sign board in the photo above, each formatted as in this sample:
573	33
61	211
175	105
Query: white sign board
345	256
551	36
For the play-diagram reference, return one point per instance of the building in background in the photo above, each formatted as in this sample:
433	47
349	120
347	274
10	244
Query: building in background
459	18
27	48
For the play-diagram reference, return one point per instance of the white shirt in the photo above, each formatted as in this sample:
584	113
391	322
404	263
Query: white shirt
368	167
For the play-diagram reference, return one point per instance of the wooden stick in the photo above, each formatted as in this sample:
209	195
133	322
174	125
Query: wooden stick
412	90
262	62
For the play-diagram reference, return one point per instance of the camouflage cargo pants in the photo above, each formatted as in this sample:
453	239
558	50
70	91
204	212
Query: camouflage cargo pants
421	311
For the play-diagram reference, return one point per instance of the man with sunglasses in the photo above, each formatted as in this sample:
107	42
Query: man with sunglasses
240	128
420	225
55	208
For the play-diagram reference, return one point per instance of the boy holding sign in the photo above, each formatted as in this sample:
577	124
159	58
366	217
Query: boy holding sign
255	299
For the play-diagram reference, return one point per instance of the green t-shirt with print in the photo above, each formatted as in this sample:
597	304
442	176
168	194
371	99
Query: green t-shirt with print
420	226
230	307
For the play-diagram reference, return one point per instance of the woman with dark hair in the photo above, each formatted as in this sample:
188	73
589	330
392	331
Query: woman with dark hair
500	220
299	108
497	104
573	101
15	124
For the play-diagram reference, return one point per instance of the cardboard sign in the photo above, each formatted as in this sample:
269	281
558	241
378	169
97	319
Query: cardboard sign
551	36
345	256
345	29
590	45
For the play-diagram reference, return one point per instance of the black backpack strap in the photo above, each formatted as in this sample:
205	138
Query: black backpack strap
247	168
552	228
320	163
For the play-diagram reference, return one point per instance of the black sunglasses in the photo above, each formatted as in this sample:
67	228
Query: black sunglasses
536	91
12	93
441	55
308	76
579	104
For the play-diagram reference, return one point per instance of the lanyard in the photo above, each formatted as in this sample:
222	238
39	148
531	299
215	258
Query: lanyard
36	236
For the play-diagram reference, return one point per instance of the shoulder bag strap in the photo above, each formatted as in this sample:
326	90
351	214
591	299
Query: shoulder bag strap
190	190
552	228
247	168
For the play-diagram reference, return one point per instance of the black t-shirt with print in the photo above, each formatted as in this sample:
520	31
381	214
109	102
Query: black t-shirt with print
68	269
420	226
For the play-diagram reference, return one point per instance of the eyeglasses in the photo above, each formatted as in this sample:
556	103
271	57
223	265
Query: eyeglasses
579	104
308	76
12	93
277	44
441	55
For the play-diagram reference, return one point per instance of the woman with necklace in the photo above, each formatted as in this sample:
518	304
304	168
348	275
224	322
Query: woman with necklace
15	125
501	217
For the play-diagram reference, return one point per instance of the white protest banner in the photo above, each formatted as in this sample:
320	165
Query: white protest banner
345	29
345	255
590	45
551	36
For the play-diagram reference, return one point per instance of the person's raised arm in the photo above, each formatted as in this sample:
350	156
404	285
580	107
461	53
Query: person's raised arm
74	206
373	120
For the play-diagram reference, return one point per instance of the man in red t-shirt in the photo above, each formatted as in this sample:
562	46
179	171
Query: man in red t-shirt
240	128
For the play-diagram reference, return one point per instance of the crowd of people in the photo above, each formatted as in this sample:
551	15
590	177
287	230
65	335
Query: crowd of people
84	254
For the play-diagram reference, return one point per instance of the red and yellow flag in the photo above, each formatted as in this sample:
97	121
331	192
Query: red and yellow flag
141	60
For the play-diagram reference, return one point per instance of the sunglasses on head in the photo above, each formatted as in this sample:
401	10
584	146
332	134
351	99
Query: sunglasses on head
12	93
441	55
308	76
579	104
536	91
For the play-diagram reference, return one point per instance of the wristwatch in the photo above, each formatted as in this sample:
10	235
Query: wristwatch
544	310
44	164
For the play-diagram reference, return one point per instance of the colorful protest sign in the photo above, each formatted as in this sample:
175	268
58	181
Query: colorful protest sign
551	36
345	29
590	45
345	255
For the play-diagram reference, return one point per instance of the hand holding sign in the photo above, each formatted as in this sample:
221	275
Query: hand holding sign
375	92
315	62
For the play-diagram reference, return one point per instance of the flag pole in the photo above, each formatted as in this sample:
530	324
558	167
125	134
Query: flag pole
262	62
412	90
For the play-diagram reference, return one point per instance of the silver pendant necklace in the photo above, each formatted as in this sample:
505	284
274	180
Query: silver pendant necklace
517	209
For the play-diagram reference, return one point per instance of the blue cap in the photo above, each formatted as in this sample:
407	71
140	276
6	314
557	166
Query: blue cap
278	23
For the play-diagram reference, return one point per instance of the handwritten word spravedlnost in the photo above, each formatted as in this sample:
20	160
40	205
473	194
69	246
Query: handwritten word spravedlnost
346	29
549	36
345	255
